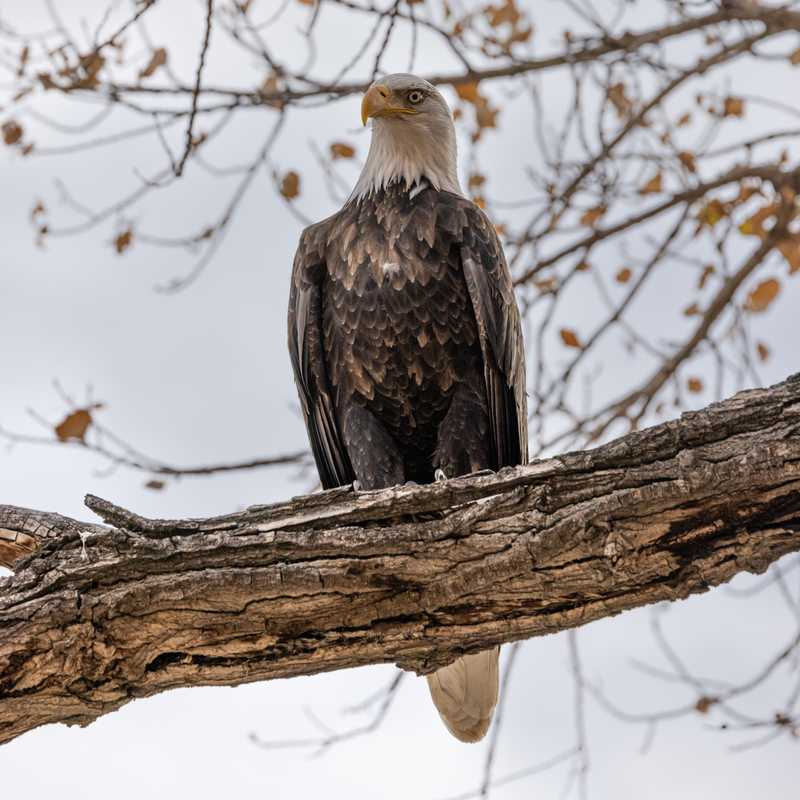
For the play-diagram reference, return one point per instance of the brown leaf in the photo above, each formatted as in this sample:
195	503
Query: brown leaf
691	311
653	186
476	180
506	13
591	217
519	35
703	704
708	271
23	60
341	150
200	139
620	100
623	276
155	484
733	107
763	351
123	241
794	58
790	249
74	425
762	296
12	132
468	92
290	185
546	285
157	59
485	115
684	120
694	385
569	337
754	225
687	159
711	213
91	64
272	86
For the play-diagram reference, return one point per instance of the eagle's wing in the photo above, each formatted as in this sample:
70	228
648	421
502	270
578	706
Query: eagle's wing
308	362
500	331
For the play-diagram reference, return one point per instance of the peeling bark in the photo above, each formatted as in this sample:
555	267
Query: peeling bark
97	615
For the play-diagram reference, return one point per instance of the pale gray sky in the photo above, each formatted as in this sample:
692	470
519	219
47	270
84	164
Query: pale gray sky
202	376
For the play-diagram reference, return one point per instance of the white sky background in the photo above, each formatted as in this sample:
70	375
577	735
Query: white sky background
203	376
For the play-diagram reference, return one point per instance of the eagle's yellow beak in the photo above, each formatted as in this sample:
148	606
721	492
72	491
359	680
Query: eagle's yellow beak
378	102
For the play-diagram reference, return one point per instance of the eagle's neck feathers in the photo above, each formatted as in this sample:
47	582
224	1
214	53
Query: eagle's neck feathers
410	154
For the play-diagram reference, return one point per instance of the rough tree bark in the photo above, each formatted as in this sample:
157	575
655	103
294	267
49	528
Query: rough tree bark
97	615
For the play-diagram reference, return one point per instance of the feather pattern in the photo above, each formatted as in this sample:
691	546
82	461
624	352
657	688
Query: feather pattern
399	340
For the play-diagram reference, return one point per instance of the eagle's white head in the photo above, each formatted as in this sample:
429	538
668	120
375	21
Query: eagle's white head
413	136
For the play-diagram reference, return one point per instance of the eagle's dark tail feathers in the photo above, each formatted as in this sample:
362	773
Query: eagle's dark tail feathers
465	694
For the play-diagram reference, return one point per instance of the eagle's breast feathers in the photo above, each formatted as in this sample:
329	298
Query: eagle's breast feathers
409	296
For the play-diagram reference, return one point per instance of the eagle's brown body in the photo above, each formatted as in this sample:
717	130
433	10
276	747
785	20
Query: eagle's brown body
405	341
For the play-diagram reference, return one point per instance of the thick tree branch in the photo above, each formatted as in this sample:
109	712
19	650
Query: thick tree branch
99	615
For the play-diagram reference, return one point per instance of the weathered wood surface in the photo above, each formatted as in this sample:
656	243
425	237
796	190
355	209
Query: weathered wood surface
97	615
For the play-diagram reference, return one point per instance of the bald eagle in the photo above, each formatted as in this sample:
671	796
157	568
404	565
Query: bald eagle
405	337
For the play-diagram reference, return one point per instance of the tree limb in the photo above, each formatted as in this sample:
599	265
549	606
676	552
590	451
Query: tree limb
101	614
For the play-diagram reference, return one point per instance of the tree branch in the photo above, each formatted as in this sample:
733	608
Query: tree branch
776	20
99	615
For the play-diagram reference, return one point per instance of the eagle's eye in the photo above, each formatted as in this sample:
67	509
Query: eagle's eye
415	96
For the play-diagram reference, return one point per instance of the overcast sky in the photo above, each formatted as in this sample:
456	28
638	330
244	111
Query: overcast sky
202	376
